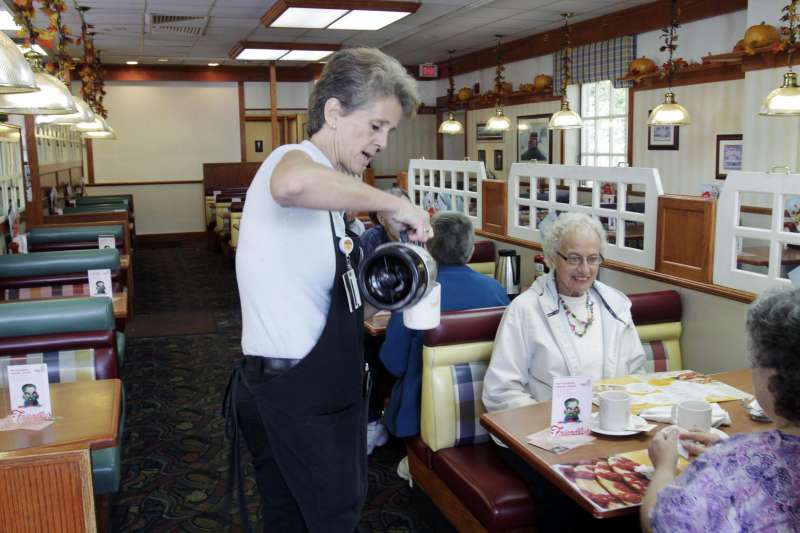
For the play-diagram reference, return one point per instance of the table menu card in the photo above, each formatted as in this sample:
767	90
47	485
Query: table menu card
571	410
100	282
106	241
29	390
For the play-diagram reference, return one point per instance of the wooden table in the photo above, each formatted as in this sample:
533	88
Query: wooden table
512	425
376	326
759	256
87	415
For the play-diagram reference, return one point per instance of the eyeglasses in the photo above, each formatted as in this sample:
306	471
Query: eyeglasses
577	259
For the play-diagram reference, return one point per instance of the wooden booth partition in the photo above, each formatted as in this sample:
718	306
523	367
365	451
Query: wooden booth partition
495	206
221	175
402	180
685	238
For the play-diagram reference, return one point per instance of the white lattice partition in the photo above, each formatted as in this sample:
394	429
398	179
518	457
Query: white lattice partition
736	232
12	186
631	220
58	144
449	185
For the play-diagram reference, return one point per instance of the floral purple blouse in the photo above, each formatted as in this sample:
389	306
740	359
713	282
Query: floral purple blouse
750	482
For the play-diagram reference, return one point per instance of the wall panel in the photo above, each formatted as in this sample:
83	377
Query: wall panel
413	139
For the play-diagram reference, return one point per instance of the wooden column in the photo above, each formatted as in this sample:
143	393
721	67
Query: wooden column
33	208
89	161
439	136
273	102
242	131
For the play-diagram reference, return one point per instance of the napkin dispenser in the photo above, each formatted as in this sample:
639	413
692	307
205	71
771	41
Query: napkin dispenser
402	277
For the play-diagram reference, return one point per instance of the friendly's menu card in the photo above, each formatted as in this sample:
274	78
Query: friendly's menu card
571	410
668	388
100	282
29	390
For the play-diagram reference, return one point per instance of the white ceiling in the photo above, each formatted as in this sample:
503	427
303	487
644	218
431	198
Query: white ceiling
122	31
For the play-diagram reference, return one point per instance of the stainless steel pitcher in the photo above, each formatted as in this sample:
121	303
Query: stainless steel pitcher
507	271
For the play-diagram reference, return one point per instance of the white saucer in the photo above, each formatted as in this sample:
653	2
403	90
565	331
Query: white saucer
639	388
632	421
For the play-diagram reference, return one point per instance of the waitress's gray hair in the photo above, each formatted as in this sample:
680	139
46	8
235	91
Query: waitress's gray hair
356	76
453	238
567	224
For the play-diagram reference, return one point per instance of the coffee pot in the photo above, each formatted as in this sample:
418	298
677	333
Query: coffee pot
402	277
507	271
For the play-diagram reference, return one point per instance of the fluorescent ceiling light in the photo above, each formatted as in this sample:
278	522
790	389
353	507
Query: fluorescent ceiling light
260	54
213	64
36	48
162	59
7	22
303	17
306	55
360	19
131	62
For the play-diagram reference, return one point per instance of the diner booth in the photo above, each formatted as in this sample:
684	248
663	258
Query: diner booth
119	302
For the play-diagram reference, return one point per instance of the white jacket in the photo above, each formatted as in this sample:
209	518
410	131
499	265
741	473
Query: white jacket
533	345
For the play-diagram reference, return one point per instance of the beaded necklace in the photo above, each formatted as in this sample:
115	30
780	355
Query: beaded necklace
575	322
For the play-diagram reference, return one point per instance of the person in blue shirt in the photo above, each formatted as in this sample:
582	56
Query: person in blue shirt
462	288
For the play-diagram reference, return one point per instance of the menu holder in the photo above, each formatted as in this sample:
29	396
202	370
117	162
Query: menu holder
100	283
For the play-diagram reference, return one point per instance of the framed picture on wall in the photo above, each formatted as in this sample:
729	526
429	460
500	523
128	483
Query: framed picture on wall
729	154
498	160
482	156
482	135
534	140
663	137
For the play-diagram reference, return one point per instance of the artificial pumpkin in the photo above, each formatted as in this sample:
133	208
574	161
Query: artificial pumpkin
542	82
760	35
526	87
641	65
464	94
506	88
739	46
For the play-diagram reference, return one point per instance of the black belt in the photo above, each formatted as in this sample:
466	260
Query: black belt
269	365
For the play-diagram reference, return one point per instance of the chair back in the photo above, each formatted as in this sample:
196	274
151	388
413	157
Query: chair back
455	356
657	316
47	490
483	258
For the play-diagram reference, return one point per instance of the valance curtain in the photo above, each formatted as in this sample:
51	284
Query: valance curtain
607	60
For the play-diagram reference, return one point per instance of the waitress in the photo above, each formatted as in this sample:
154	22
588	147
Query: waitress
299	395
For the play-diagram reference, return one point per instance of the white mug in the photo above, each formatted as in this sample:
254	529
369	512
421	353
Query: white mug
692	414
426	313
615	410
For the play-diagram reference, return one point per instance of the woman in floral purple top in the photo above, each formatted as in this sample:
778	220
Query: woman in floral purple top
749	482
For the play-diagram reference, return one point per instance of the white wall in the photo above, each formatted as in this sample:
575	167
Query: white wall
413	139
714	108
713	35
291	95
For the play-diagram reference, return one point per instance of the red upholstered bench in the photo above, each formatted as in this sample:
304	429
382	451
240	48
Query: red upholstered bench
453	461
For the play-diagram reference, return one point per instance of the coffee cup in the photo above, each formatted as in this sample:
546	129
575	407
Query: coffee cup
692	414
615	410
425	314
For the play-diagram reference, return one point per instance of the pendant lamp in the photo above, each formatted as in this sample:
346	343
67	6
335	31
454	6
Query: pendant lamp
98	124
785	100
16	75
107	135
566	118
53	98
451	126
498	122
84	114
670	113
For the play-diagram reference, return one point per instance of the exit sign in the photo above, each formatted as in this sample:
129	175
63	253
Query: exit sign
428	70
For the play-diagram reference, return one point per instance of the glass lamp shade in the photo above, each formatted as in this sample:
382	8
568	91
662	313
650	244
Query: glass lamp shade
670	113
565	119
498	122
52	98
84	114
104	135
98	124
785	100
16	75
451	126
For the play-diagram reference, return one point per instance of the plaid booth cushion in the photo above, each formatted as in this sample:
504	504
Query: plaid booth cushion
468	388
65	366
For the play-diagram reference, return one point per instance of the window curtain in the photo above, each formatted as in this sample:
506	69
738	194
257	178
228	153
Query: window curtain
607	60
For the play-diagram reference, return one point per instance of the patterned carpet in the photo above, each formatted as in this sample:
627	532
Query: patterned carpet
174	451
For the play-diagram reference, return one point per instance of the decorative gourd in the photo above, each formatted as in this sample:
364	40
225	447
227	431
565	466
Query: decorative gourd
542	82
760	35
739	46
641	65
506	88
526	87
464	94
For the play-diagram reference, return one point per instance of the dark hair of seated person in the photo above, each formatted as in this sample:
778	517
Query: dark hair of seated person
394	190
453	238
773	327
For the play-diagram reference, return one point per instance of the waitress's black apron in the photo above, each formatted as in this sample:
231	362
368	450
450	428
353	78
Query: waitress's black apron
314	416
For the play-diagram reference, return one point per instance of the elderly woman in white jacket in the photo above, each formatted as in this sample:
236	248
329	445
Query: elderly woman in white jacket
566	324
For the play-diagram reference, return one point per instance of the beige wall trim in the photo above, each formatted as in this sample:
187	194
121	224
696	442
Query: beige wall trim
137	183
708	288
163	237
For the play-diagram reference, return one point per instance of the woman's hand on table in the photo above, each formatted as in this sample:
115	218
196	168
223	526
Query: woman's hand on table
663	449
696	441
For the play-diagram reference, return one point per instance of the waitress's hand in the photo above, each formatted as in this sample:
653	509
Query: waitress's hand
412	219
663	449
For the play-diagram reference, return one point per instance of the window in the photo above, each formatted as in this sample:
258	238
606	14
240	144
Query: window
604	138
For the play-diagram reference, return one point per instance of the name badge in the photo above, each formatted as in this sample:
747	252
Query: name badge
346	246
